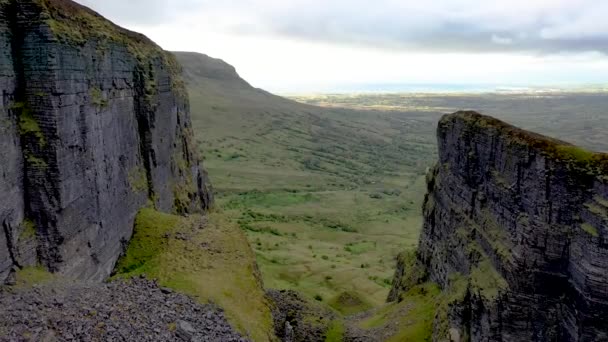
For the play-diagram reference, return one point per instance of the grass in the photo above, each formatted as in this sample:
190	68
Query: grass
213	264
335	333
270	199
348	303
575	153
411	319
30	276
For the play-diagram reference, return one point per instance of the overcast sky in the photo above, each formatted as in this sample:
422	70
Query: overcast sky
307	45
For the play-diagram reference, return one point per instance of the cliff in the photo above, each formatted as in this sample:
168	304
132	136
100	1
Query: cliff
515	228
95	125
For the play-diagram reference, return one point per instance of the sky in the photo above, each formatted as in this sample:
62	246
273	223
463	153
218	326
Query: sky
291	46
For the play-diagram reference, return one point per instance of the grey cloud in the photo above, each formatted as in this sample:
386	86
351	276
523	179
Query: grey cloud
542	26
142	12
551	27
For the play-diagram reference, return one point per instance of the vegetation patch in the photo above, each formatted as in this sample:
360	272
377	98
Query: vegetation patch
597	210
182	192
30	276
97	97
29	230
270	199
138	179
349	303
454	295
150	240
360	247
589	229
414	315
486	281
28	124
602	201
412	273
35	161
495	236
336	331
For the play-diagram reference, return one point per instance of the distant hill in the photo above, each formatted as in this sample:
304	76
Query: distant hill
221	83
200	68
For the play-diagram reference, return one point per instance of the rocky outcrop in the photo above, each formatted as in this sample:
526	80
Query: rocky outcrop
298	320
95	125
515	231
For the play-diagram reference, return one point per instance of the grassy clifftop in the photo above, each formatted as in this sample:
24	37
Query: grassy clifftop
593	162
77	25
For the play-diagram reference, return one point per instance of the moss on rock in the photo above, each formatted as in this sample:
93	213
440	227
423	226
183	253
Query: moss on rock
589	229
29	230
487	281
575	157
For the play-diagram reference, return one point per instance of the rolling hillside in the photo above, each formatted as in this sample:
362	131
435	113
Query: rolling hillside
328	196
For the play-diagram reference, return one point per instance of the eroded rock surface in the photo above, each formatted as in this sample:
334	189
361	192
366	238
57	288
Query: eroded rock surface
94	124
515	229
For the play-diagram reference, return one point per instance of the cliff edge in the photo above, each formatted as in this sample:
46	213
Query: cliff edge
95	125
515	229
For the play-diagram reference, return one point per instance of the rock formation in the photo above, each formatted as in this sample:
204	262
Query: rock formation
515	232
95	124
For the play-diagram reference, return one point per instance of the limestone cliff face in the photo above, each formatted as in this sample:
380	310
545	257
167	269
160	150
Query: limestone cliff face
94	124
515	231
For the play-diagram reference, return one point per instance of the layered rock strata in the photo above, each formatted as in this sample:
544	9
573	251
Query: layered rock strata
95	124
515	231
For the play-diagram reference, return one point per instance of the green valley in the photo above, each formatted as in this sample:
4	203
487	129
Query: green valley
329	189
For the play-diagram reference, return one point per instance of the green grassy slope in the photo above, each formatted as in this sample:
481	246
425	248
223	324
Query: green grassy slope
328	197
205	257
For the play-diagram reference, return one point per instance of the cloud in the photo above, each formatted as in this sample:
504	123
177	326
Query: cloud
501	40
142	12
539	26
